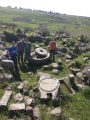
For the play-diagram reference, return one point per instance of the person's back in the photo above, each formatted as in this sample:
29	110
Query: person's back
27	47
20	46
20	49
52	45
12	51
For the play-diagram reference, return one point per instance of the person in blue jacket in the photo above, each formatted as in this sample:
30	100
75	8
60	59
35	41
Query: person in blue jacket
12	53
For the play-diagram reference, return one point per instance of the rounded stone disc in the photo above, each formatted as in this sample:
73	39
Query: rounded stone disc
48	84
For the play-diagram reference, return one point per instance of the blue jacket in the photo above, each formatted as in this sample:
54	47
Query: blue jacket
12	51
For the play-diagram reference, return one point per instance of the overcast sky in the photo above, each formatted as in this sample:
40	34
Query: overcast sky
72	7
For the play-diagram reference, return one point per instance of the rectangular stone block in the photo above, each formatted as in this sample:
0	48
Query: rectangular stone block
18	107
5	98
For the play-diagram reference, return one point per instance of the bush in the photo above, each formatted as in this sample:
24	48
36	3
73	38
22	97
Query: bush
45	32
10	36
84	39
20	31
78	63
62	32
86	92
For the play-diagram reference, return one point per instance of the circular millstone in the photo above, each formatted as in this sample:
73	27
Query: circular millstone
48	85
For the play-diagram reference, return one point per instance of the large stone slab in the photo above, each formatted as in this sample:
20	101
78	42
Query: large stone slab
5	98
19	107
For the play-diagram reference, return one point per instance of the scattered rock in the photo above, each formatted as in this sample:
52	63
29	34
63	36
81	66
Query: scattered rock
29	110
55	71
25	91
59	61
1	76
2	47
45	67
44	74
8	76
55	65
1	69
79	75
36	113
36	46
81	86
71	119
85	58
7	63
21	86
56	113
2	58
32	54
67	60
18	97
75	70
30	101
30	73
27	118
68	57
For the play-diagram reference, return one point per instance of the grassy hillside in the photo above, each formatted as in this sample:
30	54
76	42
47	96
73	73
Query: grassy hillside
35	19
74	53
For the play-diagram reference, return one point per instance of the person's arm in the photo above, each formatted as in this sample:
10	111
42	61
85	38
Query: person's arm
48	45
7	52
17	48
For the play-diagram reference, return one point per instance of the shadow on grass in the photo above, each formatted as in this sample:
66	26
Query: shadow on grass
60	67
73	85
26	67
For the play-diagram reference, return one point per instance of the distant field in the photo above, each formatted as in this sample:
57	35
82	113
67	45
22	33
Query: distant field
35	19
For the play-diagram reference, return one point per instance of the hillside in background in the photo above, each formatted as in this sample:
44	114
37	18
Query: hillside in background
27	93
35	20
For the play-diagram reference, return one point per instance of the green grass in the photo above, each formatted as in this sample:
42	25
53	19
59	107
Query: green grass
73	106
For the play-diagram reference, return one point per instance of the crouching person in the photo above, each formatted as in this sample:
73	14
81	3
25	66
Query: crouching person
12	53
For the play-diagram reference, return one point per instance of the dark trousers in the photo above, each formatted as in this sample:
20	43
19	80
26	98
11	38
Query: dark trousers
52	53
20	56
27	55
14	59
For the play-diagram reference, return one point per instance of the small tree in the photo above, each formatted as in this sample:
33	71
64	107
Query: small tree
18	30
45	32
61	31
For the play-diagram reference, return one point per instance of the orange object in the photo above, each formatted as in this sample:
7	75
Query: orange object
52	45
